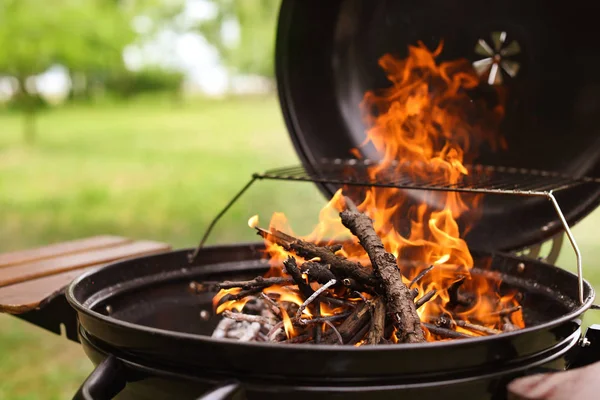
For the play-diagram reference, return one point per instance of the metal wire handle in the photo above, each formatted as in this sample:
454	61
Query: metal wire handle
511	181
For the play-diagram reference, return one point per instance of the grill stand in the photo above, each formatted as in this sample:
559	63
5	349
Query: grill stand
481	179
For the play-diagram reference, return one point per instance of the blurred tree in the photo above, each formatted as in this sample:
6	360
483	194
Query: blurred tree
253	49
84	36
147	80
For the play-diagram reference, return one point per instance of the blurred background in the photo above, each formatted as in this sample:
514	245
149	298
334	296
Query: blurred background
140	118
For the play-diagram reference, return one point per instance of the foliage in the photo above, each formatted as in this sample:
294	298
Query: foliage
85	36
148	80
253	52
82	35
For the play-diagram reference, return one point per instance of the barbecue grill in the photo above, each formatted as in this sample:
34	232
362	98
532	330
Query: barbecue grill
140	324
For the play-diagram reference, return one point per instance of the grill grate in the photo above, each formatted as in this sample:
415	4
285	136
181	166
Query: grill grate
480	179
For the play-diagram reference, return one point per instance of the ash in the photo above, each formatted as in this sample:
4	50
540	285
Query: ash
257	324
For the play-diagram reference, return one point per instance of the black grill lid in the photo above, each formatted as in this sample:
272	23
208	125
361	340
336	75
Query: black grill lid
326	59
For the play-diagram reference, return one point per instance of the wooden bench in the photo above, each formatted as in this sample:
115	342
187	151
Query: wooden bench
29	279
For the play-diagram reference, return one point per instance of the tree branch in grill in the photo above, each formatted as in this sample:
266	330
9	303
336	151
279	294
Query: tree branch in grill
292	270
420	275
352	325
248	318
359	335
313	296
357	287
335	331
444	332
506	311
398	297
317	328
446	322
320	320
341	267
455	297
258	282
377	322
426	297
317	272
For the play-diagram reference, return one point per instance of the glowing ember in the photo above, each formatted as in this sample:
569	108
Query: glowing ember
425	125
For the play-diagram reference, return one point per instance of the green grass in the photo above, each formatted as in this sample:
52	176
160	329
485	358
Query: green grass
149	169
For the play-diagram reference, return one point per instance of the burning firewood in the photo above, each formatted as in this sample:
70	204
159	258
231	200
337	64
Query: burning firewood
334	300
399	299
377	322
352	325
340	266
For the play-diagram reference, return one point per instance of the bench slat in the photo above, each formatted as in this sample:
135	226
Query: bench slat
24	272
60	249
26	296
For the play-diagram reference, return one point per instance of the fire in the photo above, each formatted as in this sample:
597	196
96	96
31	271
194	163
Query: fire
290	332
253	221
428	126
221	304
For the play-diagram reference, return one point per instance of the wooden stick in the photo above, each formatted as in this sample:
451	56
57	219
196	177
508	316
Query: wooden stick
258	282
377	322
420	275
506	311
275	330
305	338
444	332
248	317
273	307
398	297
425	298
359	335
446	322
313	297
317	328
341	267
353	285
348	329
292	269
319	320
317	272
478	328
335	331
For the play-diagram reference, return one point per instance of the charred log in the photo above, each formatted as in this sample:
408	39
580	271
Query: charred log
292	270
399	298
317	272
341	267
377	322
352	325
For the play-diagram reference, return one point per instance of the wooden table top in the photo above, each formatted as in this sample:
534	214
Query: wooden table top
28	277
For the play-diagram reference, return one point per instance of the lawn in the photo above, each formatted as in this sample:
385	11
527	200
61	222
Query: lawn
148	169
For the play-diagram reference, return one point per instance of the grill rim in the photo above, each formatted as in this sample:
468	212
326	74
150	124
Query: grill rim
144	341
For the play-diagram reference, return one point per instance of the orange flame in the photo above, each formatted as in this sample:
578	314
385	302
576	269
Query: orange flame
290	332
426	125
253	221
